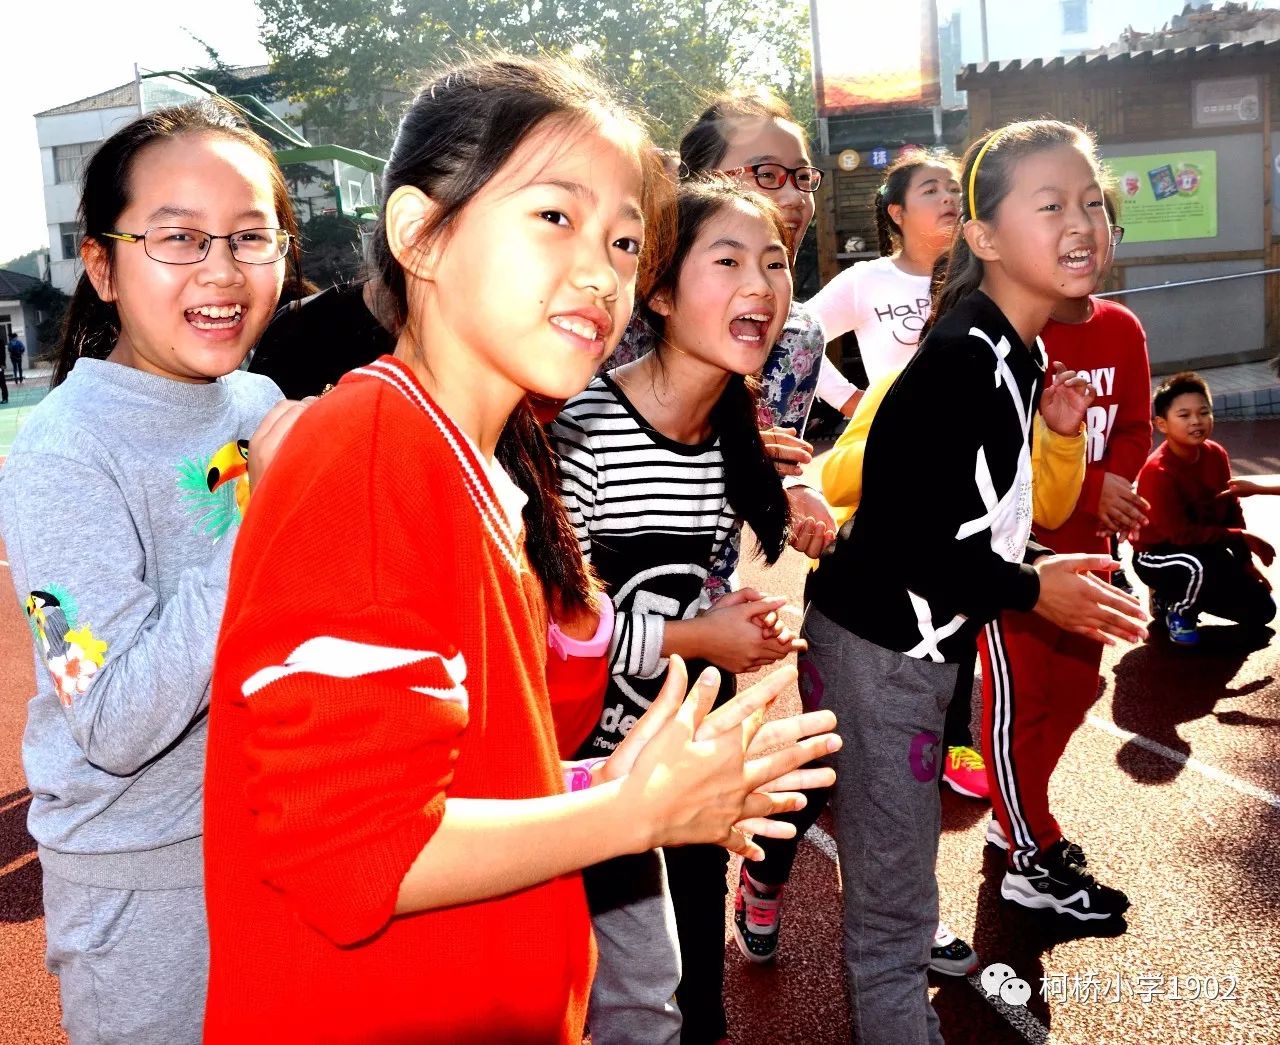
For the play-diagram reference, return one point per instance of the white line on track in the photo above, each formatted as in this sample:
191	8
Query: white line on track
824	843
1019	1018
1203	768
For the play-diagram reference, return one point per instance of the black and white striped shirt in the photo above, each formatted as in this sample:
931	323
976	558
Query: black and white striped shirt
650	514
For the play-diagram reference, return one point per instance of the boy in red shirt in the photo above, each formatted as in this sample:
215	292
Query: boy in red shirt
1194	553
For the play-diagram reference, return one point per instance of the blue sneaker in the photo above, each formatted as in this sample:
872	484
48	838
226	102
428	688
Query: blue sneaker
1182	630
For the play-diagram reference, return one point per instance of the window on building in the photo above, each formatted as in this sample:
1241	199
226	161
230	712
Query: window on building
1075	16
69	233
69	161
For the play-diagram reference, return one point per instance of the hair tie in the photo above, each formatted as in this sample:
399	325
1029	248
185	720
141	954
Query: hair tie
973	174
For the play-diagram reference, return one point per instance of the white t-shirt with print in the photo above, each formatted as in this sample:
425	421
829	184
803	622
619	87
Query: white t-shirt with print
884	306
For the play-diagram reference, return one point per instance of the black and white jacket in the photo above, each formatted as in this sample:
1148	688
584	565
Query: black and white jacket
937	546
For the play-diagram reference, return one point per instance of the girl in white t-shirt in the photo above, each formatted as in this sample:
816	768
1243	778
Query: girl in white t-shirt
886	301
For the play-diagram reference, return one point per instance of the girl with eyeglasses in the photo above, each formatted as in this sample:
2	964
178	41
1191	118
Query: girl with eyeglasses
139	460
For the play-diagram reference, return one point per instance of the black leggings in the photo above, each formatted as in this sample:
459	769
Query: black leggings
696	880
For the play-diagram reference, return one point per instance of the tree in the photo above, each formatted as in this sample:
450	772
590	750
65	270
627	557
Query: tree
331	250
51	305
29	264
229	79
353	63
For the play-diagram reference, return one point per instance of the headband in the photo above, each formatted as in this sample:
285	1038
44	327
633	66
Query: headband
973	174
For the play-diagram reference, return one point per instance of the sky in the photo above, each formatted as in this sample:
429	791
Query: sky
58	51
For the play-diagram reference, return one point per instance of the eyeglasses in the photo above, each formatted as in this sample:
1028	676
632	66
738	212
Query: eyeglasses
773	176
174	246
1117	234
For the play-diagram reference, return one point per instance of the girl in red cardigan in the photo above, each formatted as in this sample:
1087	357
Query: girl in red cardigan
390	854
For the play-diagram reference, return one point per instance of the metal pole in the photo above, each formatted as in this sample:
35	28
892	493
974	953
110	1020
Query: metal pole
1187	283
982	12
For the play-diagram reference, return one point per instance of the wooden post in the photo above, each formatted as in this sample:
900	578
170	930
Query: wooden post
1270	253
828	266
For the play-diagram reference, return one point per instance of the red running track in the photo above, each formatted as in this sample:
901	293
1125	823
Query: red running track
1193	843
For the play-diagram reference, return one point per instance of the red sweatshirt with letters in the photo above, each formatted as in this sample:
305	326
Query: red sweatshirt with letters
1112	347
384	646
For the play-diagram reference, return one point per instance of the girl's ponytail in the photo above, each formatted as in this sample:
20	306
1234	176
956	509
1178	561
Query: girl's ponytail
89	328
752	486
884	223
551	545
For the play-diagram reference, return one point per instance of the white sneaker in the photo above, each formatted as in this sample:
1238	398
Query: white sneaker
995	835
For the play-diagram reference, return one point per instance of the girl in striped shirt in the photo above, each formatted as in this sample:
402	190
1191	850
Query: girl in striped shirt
661	462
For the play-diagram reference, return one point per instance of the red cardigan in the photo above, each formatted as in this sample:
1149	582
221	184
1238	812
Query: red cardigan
384	645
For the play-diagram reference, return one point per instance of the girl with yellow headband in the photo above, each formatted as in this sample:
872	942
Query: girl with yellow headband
897	605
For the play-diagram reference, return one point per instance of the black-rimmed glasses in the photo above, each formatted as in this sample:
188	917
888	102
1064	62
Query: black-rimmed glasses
176	246
773	176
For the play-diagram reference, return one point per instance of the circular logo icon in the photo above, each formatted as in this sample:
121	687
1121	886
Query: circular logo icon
924	756
849	160
1187	179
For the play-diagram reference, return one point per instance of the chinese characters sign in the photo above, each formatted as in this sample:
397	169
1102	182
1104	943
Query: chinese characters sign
1167	196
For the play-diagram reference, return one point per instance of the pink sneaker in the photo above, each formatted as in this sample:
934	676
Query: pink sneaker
966	773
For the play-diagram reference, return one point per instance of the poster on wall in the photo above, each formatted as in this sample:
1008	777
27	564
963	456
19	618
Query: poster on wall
866	63
1167	196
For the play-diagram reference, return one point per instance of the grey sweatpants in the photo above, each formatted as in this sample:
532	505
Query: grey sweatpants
633	997
132	965
890	710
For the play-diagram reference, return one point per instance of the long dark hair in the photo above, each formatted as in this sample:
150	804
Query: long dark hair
752	485
458	133
1000	151
704	143
91	326
893	192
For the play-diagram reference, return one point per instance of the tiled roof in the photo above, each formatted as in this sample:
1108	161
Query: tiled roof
127	94
117	97
977	73
14	284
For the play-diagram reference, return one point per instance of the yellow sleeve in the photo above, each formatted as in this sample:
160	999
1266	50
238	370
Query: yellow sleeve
842	469
1057	474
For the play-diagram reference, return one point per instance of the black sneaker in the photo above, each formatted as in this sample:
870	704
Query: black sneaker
1059	883
950	955
757	917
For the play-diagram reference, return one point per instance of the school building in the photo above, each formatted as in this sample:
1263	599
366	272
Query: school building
1190	136
1187	127
68	135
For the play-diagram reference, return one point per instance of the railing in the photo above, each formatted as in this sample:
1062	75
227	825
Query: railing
1187	283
